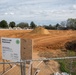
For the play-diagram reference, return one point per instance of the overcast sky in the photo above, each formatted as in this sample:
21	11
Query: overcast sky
39	11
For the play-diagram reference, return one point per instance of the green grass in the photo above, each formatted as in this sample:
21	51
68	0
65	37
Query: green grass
74	73
65	63
65	66
74	63
71	53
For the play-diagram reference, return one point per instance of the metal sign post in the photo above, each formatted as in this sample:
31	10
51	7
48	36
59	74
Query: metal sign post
30	68
23	68
3	66
16	49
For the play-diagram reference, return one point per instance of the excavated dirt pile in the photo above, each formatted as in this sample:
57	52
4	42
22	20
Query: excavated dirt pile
40	30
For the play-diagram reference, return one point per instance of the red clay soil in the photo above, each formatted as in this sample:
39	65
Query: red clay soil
44	45
55	40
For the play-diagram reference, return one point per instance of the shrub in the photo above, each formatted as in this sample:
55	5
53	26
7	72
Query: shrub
71	45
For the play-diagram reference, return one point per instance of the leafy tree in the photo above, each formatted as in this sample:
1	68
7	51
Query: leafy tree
46	26
57	25
63	23
33	25
71	23
49	27
3	24
23	25
12	24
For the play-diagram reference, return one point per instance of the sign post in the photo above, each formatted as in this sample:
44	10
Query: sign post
3	66
16	49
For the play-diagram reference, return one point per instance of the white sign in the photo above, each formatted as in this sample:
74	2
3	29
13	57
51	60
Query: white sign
11	49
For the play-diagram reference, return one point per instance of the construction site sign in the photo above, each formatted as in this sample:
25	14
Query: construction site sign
11	49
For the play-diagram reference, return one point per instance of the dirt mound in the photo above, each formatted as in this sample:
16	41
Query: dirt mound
40	30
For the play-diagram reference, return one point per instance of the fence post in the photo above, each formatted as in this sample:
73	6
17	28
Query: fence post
23	68
30	69
71	62
3	66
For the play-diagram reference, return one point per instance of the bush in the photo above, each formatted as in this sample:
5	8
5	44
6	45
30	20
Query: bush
71	45
62	67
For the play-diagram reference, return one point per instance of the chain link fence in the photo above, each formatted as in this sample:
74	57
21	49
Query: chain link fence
8	68
49	66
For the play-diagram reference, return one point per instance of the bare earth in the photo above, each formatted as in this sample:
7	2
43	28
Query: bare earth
44	45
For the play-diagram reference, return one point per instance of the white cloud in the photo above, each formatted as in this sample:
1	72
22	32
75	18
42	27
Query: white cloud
9	13
37	9
6	13
74	6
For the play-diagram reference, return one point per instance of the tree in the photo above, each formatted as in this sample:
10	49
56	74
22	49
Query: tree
71	23
63	23
3	24
33	25
57	26
50	27
23	25
12	24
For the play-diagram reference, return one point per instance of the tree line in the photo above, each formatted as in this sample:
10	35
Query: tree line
4	24
64	25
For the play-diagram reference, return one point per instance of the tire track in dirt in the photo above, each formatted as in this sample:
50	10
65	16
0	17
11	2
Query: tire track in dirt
53	39
53	42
